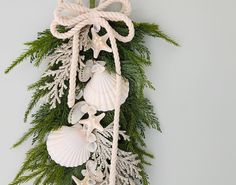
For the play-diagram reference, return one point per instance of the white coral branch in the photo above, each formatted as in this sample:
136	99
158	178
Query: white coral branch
127	163
62	57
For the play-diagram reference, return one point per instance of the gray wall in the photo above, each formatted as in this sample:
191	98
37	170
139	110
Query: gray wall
195	98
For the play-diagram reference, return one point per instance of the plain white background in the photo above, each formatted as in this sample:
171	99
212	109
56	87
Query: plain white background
196	90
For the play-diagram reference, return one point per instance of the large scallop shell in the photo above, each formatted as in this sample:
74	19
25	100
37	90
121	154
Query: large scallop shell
70	146
100	91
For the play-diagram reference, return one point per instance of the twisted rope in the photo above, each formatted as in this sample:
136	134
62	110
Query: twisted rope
96	16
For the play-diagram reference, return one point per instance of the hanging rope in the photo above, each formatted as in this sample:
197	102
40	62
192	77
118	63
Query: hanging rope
96	16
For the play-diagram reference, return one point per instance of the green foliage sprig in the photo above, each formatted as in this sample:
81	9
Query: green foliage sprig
136	114
43	46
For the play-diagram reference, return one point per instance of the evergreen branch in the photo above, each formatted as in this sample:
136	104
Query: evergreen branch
40	178
20	59
24	179
153	30
37	95
36	153
44	45
162	35
145	178
43	170
133	56
25	137
39	83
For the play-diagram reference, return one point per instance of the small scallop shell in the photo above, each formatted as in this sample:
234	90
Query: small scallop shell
85	73
69	146
100	91
79	95
76	113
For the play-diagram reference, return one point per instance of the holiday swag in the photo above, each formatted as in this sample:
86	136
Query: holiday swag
89	128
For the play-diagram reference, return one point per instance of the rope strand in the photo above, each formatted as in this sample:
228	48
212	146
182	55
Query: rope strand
73	70
112	179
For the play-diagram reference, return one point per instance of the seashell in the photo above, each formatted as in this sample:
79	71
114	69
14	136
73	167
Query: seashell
85	181
100	91
92	171
92	147
85	73
79	95
89	109
76	113
70	146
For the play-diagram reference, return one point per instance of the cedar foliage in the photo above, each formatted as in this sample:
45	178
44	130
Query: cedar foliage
136	113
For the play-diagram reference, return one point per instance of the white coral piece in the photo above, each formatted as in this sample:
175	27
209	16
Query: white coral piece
127	164
62	57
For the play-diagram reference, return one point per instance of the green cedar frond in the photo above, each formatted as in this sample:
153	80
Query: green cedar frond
145	178
153	30
39	83
36	153
25	137
37	94
43	170
44	45
24	179
20	59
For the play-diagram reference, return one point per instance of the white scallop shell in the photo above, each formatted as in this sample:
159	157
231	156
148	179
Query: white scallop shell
85	73
69	146
100	91
93	172
76	113
79	95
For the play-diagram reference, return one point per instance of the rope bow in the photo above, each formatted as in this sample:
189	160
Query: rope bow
99	17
